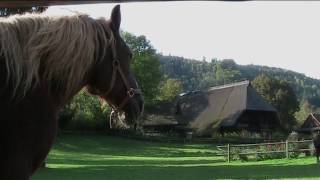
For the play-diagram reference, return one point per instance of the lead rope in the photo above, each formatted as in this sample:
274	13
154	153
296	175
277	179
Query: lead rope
113	114
111	118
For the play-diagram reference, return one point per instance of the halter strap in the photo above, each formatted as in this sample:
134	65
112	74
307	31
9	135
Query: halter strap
116	68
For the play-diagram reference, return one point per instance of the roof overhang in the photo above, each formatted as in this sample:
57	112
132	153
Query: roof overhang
308	130
75	2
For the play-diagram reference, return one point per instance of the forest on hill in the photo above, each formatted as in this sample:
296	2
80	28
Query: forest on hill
199	75
195	74
299	93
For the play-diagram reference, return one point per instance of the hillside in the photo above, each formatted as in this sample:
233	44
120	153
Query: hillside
203	74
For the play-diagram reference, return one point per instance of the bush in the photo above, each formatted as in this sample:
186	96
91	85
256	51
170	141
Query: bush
312	150
294	146
84	112
267	148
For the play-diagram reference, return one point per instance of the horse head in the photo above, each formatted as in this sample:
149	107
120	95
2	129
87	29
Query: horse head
111	77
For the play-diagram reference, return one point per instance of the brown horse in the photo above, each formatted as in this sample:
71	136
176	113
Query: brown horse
316	143
44	62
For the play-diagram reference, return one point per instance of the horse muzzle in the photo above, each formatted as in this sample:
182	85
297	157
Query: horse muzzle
134	109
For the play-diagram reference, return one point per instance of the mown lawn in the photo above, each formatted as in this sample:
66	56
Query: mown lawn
96	157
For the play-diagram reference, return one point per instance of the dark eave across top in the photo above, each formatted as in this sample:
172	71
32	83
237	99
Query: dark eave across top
14	3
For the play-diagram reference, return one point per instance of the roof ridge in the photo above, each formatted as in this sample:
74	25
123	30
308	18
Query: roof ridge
317	121
229	85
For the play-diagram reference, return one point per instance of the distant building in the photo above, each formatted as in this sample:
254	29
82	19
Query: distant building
228	108
312	123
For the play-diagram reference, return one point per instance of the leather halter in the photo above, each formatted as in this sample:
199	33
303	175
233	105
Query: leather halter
116	68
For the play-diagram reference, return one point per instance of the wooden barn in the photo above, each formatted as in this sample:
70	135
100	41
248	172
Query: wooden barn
312	123
228	108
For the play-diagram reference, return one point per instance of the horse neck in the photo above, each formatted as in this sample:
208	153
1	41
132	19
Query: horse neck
60	98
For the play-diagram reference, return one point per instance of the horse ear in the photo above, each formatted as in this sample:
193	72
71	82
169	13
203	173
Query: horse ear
116	18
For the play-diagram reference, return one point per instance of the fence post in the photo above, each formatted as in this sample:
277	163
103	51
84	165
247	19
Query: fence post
287	149
228	147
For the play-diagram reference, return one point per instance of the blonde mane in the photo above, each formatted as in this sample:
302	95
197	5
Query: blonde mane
64	47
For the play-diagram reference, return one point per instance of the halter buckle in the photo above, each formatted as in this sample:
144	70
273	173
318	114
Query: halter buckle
115	63
131	92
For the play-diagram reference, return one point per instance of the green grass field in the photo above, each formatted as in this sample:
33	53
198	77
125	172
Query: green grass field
99	157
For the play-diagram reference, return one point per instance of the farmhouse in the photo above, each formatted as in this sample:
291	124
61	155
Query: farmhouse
312	123
228	108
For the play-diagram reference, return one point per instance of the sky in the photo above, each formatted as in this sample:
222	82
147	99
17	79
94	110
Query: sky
282	34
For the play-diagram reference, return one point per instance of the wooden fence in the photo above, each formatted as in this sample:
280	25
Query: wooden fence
285	148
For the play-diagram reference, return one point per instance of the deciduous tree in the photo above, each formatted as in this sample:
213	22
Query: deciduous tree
146	65
170	89
281	96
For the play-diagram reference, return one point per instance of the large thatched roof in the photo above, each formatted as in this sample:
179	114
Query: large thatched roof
229	107
223	106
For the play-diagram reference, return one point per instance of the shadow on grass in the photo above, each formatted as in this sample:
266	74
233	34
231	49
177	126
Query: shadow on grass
128	162
177	172
103	157
104	145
